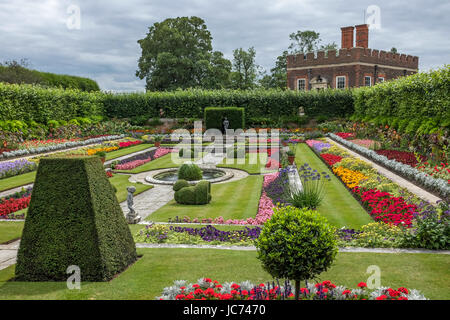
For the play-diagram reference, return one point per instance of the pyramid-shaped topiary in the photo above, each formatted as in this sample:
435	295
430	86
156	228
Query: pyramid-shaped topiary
74	218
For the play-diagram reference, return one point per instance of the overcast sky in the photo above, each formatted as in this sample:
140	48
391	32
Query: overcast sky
105	47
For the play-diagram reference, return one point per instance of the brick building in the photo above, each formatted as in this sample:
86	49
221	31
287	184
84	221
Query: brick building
355	65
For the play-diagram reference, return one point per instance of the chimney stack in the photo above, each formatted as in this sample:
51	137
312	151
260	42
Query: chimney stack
362	35
347	37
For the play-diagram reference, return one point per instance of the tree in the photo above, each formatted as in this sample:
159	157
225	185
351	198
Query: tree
17	72
301	42
177	53
296	244
304	41
394	50
245	70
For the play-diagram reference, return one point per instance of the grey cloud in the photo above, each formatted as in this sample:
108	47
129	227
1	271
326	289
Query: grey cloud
106	48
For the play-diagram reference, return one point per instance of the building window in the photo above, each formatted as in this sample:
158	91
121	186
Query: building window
367	81
340	82
380	79
301	84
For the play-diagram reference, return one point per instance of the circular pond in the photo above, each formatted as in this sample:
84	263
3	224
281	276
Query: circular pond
170	176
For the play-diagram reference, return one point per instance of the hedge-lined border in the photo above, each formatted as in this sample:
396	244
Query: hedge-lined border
436	186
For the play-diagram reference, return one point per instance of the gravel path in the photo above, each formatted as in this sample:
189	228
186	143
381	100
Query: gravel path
421	193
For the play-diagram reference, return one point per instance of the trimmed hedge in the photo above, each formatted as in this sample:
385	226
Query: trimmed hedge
257	103
422	95
27	102
78	223
214	117
34	103
189	172
192	195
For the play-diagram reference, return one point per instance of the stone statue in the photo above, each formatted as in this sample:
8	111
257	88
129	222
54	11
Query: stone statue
132	217
226	124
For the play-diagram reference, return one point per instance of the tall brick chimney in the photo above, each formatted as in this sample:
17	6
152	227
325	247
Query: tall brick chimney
347	37
362	35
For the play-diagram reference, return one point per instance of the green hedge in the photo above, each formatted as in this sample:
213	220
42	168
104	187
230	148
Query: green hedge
423	95
35	103
257	103
214	117
78	223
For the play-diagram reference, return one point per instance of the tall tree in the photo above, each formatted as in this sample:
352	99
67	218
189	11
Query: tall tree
245	70
304	41
177	53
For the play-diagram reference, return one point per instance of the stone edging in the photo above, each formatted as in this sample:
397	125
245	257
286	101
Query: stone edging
228	175
253	248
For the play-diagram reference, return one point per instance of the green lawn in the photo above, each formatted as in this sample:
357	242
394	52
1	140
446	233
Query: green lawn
17	181
232	200
125	151
254	163
10	230
159	267
338	205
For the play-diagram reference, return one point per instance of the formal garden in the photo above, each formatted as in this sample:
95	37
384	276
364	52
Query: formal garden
232	195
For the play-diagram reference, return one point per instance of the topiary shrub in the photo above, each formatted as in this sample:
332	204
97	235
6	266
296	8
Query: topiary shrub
187	194
77	223
180	184
296	244
189	172
203	192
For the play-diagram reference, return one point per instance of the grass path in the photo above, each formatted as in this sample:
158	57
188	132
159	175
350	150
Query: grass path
254	163
158	268
17	181
232	200
338	205
128	150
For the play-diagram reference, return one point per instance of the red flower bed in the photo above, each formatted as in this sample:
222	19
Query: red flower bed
129	143
273	164
345	135
330	158
12	205
385	207
401	156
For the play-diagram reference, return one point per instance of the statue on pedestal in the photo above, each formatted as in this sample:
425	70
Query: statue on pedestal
132	217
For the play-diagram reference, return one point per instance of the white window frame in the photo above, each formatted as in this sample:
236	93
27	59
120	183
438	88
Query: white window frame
370	81
337	81
382	79
298	84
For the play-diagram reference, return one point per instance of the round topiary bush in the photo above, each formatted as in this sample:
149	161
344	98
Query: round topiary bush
296	244
189	172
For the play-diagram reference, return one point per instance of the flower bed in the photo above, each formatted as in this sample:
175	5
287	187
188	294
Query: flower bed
56	147
127	144
367	143
331	159
387	208
345	135
208	289
206	235
318	145
13	168
15	202
401	156
438	185
350	178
